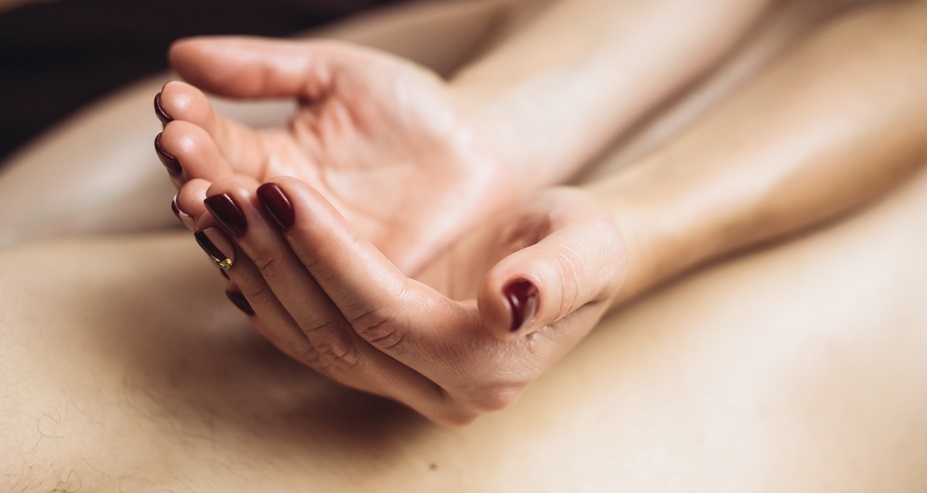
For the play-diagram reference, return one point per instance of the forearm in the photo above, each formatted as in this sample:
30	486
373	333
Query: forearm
839	121
556	93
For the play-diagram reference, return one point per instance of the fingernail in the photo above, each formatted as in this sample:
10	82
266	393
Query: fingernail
227	213
168	160
217	246
159	110
276	204
240	301
174	208
185	218
522	297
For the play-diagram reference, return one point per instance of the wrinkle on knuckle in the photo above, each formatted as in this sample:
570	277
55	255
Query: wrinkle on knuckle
309	356
379	328
330	342
260	295
265	263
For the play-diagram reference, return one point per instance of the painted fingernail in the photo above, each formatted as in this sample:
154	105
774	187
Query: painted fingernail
217	246
522	297
185	218
276	204
240	301
175	209
159	110
167	159
227	213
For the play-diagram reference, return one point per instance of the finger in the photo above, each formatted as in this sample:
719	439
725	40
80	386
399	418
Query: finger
185	218
189	204
247	290
384	307
251	67
240	145
342	355
194	151
576	266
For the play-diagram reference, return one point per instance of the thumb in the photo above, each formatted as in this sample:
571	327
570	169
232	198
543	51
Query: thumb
578	265
253	67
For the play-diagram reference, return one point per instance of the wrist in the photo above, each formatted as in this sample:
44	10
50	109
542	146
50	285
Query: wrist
661	239
529	127
497	126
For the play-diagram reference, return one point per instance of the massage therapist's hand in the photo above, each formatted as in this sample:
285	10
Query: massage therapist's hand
381	138
505	305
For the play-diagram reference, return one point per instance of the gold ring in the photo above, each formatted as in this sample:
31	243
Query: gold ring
225	264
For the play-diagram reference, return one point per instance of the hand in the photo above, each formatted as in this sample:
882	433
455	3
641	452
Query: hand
381	138
515	298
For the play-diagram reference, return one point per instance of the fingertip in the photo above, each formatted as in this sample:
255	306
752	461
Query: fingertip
277	205
190	199
180	49
522	299
509	304
182	101
185	218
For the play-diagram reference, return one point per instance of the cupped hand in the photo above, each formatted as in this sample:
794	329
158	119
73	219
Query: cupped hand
381	138
506	304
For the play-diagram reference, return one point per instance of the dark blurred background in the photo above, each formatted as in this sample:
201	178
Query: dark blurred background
56	56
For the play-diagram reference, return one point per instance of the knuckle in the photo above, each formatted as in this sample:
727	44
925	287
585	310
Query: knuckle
331	343
265	263
260	295
309	356
379	328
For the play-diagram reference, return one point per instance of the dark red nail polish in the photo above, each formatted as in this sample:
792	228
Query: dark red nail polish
159	110
169	161
276	204
240	301
227	213
207	245
174	208
522	297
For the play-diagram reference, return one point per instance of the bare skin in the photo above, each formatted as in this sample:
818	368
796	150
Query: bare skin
520	292
796	368
780	371
414	161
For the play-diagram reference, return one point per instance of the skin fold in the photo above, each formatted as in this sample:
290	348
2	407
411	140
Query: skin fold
330	300
786	355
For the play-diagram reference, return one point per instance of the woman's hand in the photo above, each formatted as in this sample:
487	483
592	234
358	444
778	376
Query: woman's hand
379	137
510	300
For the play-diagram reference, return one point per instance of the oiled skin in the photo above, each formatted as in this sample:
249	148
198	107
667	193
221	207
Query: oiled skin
794	368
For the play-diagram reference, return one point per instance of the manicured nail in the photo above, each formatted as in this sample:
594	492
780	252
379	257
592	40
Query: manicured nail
175	209
217	246
240	301
159	110
276	204
185	218
227	213
168	160
522	297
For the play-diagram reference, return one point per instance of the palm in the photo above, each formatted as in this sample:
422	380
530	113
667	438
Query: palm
384	141
385	155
